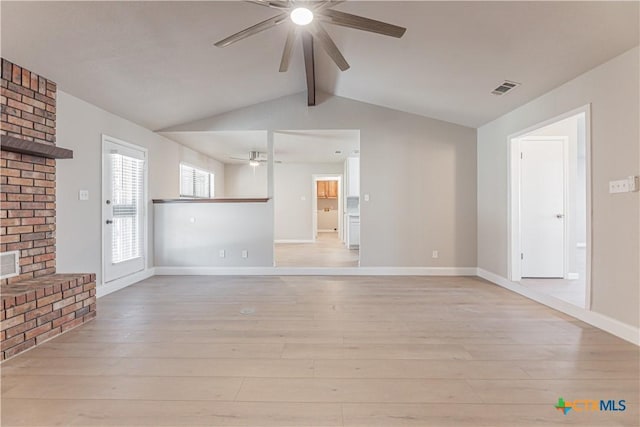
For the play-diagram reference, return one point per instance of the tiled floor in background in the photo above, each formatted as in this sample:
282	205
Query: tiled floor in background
321	351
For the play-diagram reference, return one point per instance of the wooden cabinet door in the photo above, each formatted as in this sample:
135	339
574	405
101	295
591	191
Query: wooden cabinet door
332	189
322	189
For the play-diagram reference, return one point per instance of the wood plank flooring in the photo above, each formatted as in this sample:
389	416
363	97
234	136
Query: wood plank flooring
321	351
326	251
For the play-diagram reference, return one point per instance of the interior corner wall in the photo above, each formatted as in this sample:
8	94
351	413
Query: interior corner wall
80	126
293	197
420	174
612	89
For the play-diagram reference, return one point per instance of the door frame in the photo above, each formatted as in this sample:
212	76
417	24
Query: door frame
314	201
145	211
513	197
517	200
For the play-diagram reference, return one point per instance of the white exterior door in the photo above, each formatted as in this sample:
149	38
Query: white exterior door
124	218
542	188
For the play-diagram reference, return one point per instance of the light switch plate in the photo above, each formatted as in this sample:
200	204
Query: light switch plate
245	254
222	253
83	195
628	185
366	197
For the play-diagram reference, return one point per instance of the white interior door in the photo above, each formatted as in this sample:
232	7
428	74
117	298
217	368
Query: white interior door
124	218
542	188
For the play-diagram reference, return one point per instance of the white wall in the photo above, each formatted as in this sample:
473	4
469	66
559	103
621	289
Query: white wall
193	234
80	126
612	89
420	174
245	181
293	182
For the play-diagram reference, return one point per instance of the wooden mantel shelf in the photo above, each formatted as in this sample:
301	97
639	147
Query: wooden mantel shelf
23	146
254	200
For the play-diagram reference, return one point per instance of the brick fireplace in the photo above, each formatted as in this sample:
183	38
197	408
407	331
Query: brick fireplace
37	304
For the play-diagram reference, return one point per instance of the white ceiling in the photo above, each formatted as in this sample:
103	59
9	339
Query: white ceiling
309	146
155	64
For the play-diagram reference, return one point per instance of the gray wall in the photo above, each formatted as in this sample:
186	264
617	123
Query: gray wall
612	89
193	234
243	180
80	126
420	174
292	183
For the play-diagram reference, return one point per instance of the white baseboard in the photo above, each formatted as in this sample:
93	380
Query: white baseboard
123	282
613	326
573	276
315	271
294	241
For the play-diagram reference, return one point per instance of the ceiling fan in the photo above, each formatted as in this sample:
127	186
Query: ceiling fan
308	18
256	158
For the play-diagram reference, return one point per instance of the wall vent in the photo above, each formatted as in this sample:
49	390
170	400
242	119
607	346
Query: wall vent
506	86
9	264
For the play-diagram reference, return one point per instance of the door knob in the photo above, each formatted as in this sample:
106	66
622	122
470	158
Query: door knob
109	221
559	216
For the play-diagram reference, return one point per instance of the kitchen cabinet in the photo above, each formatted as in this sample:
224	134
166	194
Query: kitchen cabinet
353	233
327	189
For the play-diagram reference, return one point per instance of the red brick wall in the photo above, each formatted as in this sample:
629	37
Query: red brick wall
28	105
27	183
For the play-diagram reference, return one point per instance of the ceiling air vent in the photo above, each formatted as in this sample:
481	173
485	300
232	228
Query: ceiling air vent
9	264
505	87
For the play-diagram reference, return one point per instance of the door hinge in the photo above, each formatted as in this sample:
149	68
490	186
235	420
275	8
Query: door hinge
521	156
521	256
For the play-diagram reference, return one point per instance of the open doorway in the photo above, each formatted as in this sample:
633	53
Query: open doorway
549	237
311	189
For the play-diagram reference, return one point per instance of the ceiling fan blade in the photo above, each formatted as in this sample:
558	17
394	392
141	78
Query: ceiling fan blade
288	50
270	3
322	37
327	4
360	23
239	158
254	29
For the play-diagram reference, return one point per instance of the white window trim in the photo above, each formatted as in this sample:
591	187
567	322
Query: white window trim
212	177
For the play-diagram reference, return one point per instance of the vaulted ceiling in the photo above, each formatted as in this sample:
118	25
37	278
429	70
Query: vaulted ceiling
155	64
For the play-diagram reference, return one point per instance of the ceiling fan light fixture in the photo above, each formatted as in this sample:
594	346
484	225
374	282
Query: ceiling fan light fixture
301	16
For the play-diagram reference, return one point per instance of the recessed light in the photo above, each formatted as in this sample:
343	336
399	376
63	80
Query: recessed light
338	152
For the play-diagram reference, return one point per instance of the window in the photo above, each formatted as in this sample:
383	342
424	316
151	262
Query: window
127	191
195	182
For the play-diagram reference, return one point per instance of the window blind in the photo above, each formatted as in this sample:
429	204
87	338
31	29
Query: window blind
127	191
195	182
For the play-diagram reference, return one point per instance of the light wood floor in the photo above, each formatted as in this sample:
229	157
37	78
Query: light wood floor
321	351
571	291
327	251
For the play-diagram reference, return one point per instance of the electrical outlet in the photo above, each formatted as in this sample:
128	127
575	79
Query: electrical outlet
435	254
83	195
192	220
245	253
366	197
222	253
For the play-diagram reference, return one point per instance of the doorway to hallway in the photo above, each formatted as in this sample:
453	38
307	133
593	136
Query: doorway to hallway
549	199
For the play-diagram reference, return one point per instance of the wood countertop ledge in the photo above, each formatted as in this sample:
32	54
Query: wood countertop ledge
254	200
